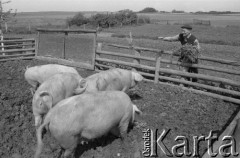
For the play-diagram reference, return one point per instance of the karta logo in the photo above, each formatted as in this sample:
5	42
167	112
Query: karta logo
153	142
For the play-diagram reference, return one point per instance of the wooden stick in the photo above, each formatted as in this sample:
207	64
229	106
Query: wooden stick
67	30
17	55
17	45
204	67
125	55
126	64
94	49
37	41
19	58
229	99
216	89
109	67
64	45
20	40
157	67
17	50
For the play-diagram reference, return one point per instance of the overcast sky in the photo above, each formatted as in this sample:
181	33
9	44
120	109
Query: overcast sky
116	5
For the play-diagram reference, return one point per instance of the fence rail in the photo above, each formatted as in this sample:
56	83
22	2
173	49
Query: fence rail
17	45
66	30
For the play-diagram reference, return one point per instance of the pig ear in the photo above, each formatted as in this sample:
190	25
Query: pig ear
137	76
81	87
46	99
44	93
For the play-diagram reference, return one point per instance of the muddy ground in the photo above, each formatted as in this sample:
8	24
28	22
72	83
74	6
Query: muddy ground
163	107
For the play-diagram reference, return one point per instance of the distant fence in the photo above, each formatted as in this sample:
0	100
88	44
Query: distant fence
102	60
15	48
201	22
181	22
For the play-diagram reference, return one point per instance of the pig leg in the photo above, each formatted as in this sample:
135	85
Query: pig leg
67	153
32	90
38	120
115	131
123	127
69	143
60	153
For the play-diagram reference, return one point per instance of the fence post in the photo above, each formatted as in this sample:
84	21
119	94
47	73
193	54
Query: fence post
2	44
99	47
137	53
64	46
94	50
136	61
158	64
37	44
97	55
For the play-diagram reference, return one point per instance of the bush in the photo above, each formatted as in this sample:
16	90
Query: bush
125	17
78	20
143	20
148	10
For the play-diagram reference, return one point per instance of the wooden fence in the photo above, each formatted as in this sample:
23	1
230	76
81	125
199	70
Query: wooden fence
215	92
28	49
201	22
13	49
63	59
157	72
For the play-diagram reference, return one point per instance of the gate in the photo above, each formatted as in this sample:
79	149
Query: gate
14	49
68	47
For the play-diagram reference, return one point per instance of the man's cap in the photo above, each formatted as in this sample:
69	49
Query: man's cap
187	27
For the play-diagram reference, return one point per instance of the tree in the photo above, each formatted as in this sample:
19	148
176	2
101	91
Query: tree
126	17
78	20
5	16
148	10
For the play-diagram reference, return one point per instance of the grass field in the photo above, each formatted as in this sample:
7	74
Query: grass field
56	18
33	19
205	34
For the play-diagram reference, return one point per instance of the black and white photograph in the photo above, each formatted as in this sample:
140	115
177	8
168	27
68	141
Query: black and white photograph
119	78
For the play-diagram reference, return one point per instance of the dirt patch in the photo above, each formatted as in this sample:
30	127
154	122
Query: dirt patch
164	107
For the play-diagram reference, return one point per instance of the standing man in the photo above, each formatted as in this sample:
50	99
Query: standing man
190	48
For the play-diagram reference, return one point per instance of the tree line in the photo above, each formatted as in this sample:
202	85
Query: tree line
121	18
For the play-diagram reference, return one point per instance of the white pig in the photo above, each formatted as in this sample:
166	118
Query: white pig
86	117
53	90
113	79
38	74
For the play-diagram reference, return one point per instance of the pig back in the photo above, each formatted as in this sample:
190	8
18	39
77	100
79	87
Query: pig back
91	112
